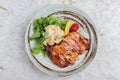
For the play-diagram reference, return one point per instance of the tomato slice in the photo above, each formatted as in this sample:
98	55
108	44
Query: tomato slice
74	27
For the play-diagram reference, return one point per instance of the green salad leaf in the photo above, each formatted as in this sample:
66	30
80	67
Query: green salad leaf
62	24
35	35
39	48
53	20
39	31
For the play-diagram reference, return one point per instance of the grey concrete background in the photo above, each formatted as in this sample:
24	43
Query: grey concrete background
14	18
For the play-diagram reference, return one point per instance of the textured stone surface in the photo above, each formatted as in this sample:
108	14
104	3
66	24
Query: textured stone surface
14	18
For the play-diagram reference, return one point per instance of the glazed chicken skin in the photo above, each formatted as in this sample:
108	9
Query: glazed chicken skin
67	51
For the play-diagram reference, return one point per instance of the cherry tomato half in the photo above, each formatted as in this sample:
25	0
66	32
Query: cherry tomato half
74	27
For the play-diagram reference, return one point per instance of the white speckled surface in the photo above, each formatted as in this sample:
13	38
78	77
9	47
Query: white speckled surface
14	62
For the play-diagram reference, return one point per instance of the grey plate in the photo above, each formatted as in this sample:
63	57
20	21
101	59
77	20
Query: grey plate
87	29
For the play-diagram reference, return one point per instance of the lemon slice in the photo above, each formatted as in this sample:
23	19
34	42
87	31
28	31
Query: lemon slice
68	26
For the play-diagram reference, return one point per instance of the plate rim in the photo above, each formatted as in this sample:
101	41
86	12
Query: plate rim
33	59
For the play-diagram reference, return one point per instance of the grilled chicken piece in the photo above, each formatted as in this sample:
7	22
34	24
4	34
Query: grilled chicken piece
80	40
67	51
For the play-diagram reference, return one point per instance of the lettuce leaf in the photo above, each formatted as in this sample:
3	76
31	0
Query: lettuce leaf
39	31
